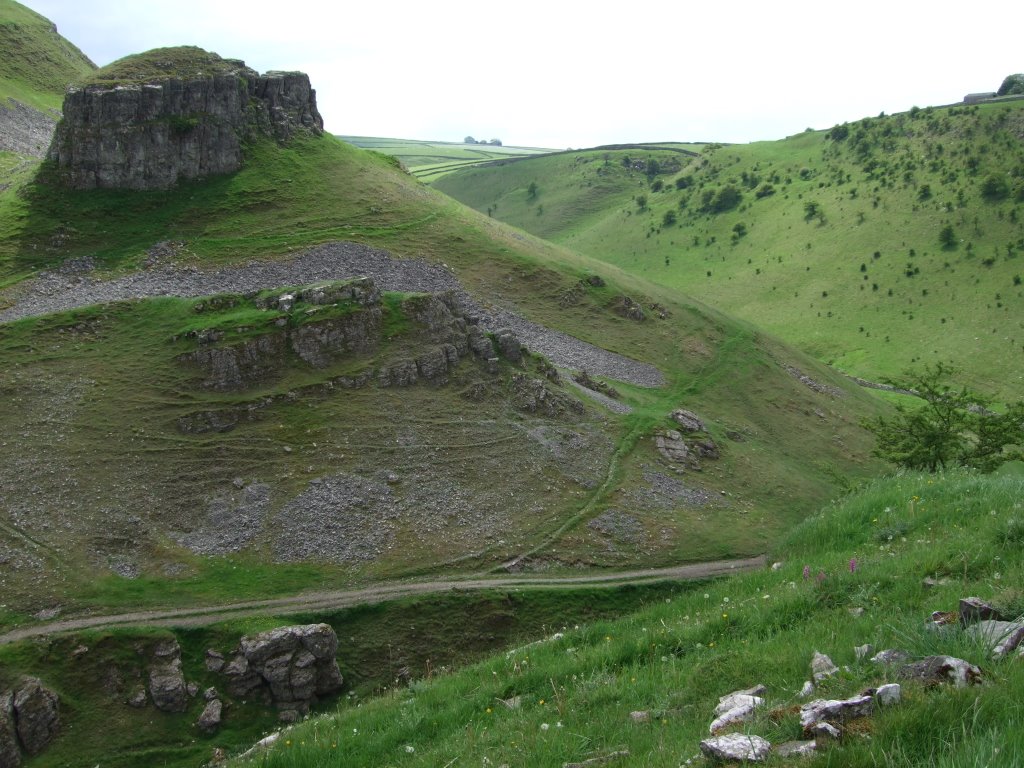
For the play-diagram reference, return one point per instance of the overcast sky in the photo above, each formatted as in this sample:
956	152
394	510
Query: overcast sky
577	74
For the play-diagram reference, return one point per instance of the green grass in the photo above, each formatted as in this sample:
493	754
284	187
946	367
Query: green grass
97	395
420	638
889	187
38	64
186	62
675	658
430	160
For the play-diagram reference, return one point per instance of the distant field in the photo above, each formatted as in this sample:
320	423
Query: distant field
430	160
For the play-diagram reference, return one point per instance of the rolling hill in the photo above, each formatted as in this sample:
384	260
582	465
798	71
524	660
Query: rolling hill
875	246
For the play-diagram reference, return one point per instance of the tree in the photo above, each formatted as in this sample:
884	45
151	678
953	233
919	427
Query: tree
641	202
495	142
995	187
1012	85
469	140
669	219
947	236
951	427
531	191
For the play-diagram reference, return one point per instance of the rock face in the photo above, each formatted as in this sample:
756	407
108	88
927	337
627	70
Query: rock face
152	134
36	715
10	756
442	336
166	681
293	665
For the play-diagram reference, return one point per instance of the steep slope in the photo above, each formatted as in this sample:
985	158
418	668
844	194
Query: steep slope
36	66
876	246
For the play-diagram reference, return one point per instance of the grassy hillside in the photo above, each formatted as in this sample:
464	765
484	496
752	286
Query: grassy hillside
101	435
37	63
877	246
675	658
430	160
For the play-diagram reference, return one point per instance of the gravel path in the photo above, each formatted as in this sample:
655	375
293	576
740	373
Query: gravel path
325	601
57	292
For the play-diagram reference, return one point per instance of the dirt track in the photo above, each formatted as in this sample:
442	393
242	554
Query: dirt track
326	601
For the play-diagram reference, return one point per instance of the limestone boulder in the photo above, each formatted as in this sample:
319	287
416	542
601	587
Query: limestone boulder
935	670
167	686
36	715
295	665
736	747
835	711
688	421
1002	637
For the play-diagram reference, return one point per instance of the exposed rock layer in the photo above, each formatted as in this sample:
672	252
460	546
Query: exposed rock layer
151	135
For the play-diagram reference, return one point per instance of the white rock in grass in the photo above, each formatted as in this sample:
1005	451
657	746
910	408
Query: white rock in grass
737	699
942	669
737	714
737	747
887	695
796	748
1002	637
861	652
824	732
822	667
835	710
807	691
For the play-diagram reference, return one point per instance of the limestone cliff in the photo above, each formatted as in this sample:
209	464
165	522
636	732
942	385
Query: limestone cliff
171	114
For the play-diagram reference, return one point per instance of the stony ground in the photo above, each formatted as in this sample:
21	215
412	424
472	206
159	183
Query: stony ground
74	287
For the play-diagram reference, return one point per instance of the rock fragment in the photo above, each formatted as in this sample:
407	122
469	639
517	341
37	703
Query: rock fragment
736	747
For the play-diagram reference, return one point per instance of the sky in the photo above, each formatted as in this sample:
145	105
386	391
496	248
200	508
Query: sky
562	73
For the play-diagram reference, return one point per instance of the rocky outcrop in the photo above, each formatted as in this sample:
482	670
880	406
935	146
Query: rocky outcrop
167	686
291	666
29	717
152	134
353	324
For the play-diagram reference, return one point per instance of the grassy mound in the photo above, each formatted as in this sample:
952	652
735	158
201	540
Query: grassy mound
184	62
38	64
675	658
877	246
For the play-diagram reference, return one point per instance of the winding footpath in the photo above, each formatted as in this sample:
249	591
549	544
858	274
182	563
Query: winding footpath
334	600
59	292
